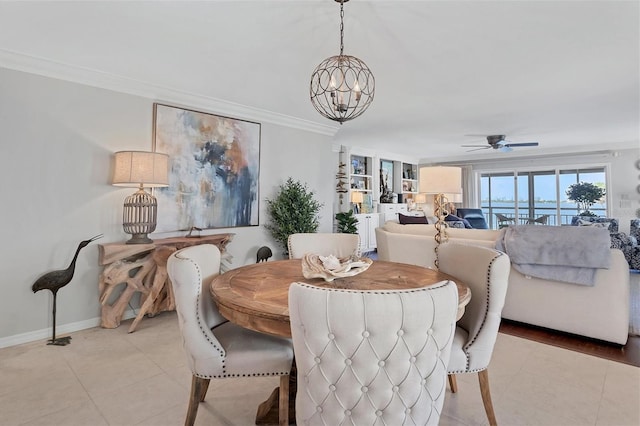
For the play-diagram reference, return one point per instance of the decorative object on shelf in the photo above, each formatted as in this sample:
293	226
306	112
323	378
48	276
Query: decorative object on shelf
342	87
347	222
215	169
190	234
440	180
330	267
54	281
140	168
341	176
357	198
263	254
293	210
586	195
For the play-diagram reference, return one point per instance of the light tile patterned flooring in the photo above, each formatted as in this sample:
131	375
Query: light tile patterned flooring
109	377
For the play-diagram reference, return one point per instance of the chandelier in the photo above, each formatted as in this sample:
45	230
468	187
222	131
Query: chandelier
342	87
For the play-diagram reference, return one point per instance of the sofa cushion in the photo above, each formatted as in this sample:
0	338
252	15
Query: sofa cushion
411	220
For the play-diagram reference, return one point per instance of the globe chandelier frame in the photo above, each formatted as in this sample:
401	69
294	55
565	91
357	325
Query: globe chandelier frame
342	87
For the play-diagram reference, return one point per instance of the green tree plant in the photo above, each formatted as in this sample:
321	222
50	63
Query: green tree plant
293	210
586	195
347	222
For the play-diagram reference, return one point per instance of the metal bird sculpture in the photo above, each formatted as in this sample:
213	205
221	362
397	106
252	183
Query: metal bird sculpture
54	281
264	253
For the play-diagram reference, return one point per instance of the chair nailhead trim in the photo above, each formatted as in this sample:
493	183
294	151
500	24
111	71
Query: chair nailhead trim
498	254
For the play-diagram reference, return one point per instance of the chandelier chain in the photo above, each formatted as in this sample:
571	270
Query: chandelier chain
341	27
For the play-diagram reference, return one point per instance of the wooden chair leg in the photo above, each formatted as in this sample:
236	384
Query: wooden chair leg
283	401
205	388
483	378
453	384
197	386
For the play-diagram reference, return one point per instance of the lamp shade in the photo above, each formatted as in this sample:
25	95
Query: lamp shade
454	198
441	180
135	168
357	197
420	198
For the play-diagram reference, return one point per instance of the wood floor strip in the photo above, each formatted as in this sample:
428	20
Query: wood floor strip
627	354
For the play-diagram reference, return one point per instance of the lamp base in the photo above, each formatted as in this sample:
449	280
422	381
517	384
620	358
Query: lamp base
140	239
139	216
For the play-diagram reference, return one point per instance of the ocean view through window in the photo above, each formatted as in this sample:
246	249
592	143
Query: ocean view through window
537	197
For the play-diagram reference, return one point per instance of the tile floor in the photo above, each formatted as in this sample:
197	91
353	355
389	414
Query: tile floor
109	377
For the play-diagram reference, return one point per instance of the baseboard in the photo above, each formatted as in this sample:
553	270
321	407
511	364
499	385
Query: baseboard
45	333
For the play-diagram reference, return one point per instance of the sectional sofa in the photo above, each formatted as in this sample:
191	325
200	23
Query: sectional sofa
600	311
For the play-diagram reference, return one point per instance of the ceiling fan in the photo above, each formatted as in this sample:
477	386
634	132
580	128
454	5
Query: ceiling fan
498	142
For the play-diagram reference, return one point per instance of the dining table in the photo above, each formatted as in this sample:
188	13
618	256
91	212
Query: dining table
256	297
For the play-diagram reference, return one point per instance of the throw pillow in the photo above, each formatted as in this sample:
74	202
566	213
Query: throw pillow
411	220
454	218
582	222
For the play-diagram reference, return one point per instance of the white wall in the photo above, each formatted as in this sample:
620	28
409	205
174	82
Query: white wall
56	143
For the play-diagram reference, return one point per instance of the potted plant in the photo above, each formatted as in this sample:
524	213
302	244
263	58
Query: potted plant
347	222
293	210
585	194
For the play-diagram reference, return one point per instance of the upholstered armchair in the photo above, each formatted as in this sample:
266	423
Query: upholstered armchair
340	245
628	244
371	357
474	216
215	347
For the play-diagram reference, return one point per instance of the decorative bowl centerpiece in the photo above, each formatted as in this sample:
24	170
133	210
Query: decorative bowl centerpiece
330	267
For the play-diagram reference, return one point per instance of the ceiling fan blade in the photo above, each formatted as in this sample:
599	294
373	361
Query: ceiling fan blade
505	148
521	144
474	146
477	149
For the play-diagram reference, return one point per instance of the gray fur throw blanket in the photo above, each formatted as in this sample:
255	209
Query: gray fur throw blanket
560	253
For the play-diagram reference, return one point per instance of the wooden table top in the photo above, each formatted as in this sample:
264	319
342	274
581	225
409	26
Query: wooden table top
256	296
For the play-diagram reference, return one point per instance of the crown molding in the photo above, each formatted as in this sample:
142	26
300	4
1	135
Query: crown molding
91	77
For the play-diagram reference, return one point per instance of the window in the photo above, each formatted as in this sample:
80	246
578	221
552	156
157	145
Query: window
535	197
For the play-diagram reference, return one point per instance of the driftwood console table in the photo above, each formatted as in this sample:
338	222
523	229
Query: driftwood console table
143	268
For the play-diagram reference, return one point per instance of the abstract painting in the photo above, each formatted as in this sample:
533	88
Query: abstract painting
214	164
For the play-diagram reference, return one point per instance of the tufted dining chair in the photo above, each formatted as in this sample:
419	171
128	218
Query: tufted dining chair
215	347
486	272
371	357
324	244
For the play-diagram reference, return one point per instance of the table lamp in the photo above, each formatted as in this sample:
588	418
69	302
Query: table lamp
357	198
420	199
140	169
440	180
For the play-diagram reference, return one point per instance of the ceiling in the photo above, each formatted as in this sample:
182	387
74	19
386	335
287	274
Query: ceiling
563	73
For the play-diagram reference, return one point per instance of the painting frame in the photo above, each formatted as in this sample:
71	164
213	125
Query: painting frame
214	169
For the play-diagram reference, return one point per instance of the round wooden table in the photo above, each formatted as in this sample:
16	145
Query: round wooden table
257	296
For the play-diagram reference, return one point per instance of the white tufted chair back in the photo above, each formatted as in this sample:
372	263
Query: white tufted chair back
371	357
215	347
324	244
486	272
